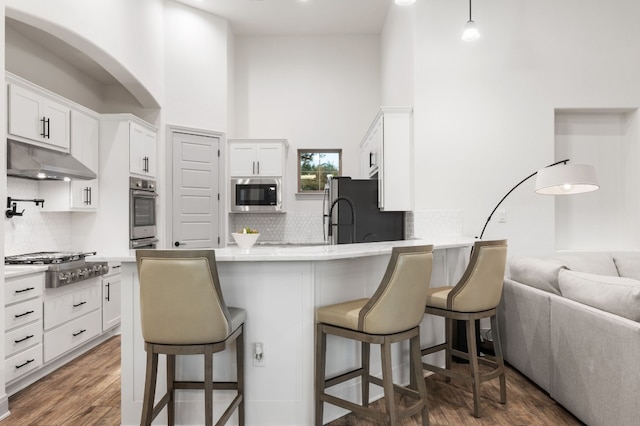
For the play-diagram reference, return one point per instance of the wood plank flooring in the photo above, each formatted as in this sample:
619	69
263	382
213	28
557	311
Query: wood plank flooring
87	392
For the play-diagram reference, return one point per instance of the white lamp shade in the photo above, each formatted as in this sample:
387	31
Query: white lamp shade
470	32
566	179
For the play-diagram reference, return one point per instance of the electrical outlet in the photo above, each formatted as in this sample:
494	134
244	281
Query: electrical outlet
502	216
258	354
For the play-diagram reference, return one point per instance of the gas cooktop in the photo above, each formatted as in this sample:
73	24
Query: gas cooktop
65	267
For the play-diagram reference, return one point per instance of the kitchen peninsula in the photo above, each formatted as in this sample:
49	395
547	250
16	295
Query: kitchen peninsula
280	287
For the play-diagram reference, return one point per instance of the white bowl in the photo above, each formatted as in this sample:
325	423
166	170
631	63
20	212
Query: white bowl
245	241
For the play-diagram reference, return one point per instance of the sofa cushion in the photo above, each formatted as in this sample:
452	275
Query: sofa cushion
537	273
592	263
618	295
628	265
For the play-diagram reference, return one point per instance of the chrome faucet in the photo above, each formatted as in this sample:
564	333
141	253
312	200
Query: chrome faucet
353	218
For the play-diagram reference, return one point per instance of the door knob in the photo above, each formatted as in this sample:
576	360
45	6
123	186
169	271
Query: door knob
178	244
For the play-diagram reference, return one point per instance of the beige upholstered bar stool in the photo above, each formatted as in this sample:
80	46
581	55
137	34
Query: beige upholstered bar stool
183	313
475	296
393	314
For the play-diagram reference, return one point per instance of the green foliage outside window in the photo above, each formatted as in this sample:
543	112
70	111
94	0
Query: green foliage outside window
314	167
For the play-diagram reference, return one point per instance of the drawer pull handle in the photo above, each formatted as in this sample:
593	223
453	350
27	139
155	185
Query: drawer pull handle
29	361
24	338
25	289
79	333
22	315
79	304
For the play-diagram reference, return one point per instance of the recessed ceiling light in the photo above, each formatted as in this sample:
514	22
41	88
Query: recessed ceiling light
405	2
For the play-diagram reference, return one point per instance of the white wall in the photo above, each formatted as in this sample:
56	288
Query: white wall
397	62
4	401
484	111
196	93
122	35
316	92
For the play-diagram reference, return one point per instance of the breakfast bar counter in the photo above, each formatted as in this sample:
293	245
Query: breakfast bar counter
280	287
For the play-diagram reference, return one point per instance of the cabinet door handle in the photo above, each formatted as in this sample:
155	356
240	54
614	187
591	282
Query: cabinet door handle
90	197
79	332
258	166
24	338
108	292
253	169
24	289
44	133
29	361
79	304
48	128
24	314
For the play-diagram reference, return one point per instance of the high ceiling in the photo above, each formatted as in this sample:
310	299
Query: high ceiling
298	17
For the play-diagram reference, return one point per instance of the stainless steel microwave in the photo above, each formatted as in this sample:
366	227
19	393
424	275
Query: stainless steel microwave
256	195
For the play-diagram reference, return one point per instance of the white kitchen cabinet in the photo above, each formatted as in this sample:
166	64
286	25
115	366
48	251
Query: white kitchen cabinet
111	288
389	141
253	157
369	151
34	117
142	150
77	195
23	325
72	316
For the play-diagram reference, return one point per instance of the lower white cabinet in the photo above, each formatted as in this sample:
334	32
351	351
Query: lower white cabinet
72	315
23	324
24	362
71	334
111	285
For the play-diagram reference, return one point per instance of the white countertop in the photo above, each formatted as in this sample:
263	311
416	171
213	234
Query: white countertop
269	253
11	271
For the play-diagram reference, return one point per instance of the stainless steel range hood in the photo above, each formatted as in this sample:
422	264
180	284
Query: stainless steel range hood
33	162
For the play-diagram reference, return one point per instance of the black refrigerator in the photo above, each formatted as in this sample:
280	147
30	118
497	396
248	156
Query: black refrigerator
346	199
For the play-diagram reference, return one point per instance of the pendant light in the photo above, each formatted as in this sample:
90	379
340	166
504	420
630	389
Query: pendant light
470	32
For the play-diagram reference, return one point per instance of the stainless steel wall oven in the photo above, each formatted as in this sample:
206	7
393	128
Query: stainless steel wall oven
142	213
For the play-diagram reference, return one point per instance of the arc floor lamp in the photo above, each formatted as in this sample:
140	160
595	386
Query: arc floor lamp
557	179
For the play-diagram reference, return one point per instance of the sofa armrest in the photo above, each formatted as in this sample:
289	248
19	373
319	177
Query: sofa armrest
596	364
524	322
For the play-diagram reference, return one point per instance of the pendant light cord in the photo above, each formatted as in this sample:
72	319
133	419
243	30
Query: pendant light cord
470	10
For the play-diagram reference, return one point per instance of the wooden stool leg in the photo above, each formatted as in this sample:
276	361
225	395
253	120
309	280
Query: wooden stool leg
418	378
240	375
321	348
171	378
366	361
387	381
208	386
149	385
497	348
473	363
448	329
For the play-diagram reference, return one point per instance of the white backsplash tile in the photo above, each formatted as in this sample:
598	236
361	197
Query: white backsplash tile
292	227
427	224
35	230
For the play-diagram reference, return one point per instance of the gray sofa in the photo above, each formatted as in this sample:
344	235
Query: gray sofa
571	325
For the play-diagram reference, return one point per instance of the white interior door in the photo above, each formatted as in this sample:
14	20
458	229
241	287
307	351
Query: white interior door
196	204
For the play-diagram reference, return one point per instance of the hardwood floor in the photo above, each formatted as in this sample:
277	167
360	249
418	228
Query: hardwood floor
87	392
83	392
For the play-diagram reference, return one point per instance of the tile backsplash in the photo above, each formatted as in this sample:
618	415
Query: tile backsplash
307	228
35	230
291	227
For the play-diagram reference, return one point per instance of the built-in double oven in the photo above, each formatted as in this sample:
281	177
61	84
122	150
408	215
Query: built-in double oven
142	213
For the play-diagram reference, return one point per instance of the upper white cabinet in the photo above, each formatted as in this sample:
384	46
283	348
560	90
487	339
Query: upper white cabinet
142	150
34	117
77	195
387	152
253	157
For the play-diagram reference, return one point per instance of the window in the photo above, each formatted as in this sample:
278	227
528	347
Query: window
315	165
